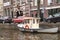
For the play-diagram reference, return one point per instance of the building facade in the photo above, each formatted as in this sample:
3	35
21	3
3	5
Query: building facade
1	7
7	7
29	7
47	7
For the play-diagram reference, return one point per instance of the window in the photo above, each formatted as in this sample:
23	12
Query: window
11	1
5	11
26	1
41	2
8	12
49	2
33	21
4	1
37	20
35	1
58	1
27	21
53	11
22	1
18	0
31	3
29	0
57	15
32	15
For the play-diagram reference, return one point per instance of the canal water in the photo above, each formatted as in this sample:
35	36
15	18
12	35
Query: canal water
10	32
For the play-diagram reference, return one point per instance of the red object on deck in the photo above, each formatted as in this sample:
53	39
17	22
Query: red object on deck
18	20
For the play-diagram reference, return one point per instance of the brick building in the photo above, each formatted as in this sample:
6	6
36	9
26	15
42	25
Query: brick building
1	7
47	7
7	7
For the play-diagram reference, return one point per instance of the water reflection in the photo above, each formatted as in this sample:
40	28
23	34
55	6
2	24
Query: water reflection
15	34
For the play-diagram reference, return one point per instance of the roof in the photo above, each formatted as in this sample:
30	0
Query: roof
31	18
23	18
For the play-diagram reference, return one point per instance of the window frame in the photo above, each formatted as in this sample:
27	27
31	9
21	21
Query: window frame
27	21
33	21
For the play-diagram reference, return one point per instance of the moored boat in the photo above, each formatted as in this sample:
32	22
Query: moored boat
32	24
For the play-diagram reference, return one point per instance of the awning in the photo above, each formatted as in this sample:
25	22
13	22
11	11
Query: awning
51	7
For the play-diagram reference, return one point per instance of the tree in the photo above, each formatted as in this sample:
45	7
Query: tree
38	4
19	13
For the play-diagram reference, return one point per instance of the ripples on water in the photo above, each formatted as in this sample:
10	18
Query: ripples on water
15	34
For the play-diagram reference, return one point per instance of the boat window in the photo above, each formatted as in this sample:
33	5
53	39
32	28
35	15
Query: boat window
27	21
33	21
38	21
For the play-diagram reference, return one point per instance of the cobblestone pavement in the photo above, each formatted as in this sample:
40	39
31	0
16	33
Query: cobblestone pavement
10	32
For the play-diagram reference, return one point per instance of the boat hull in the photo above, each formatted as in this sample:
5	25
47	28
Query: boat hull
51	30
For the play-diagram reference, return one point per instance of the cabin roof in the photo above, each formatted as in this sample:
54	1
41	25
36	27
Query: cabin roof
31	18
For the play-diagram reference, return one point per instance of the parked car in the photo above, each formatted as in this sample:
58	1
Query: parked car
5	19
18	19
1	19
55	18
8	19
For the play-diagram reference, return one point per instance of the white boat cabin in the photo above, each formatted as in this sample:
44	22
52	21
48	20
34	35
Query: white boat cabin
30	23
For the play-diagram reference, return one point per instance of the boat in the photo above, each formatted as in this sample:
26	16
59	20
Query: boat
32	24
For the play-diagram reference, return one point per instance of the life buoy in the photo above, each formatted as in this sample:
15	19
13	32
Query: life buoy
27	27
